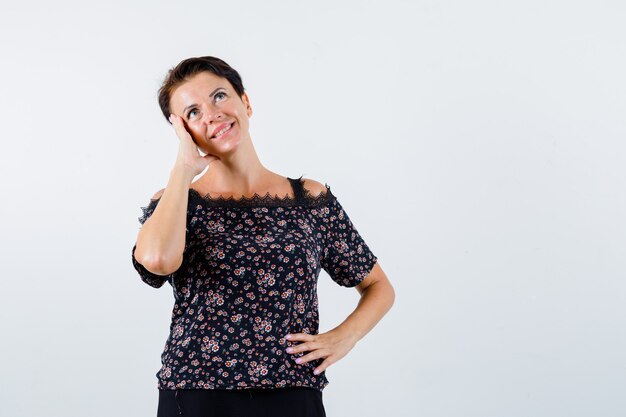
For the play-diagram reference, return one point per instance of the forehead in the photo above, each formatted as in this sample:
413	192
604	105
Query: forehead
196	88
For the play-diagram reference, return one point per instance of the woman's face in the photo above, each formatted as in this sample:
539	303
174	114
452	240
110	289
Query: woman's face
208	104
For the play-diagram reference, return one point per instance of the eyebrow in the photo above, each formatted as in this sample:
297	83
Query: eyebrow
194	104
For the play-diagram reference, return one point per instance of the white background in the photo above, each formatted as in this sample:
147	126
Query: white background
477	146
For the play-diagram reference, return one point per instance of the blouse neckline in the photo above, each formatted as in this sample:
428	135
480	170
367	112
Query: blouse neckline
301	197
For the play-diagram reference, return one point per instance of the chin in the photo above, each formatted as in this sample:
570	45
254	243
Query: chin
226	149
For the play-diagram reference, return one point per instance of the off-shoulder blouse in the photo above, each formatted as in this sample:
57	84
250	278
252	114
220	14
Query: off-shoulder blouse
248	278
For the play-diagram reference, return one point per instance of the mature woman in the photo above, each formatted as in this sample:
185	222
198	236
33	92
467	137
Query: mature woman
242	248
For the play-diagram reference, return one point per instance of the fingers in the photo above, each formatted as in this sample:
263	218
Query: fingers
322	367
174	122
323	354
314	354
316	347
300	336
307	339
177	122
174	118
302	347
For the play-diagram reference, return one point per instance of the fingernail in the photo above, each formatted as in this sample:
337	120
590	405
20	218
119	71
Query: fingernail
289	350
298	360
288	336
316	371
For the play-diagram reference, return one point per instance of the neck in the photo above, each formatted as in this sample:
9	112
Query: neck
239	173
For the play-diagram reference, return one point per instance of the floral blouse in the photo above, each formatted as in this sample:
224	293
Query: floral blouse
248	278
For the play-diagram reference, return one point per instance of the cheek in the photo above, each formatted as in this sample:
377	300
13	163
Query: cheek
196	131
242	116
194	127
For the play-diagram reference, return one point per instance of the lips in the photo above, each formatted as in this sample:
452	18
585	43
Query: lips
221	127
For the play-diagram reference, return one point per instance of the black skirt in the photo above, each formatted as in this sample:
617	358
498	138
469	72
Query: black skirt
249	402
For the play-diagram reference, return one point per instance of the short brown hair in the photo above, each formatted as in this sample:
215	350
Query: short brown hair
190	67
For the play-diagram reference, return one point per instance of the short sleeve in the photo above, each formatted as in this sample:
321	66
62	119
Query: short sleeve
148	277
346	257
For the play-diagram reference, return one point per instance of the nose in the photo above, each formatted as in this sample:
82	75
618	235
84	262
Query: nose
211	114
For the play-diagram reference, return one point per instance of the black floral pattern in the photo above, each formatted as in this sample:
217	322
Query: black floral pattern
248	278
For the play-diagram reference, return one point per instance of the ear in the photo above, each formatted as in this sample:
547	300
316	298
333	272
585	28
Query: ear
246	101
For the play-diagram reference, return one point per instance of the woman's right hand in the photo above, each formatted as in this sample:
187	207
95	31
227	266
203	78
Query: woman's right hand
188	152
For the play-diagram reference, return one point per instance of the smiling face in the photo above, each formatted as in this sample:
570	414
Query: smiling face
208	105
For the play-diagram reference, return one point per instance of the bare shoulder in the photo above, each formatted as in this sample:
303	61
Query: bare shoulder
158	194
315	188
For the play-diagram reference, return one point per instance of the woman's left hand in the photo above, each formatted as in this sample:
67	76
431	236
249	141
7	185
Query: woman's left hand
332	345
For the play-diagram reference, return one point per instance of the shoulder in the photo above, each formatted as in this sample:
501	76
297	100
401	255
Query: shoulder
158	194
314	187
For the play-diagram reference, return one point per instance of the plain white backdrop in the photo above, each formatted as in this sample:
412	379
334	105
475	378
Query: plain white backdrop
477	146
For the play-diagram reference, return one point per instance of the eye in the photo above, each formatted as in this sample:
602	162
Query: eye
221	93
190	112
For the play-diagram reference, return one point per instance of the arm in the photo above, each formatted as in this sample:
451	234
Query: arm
160	247
377	298
161	240
346	259
377	294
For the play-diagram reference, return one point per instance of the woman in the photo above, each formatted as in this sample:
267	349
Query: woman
242	248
